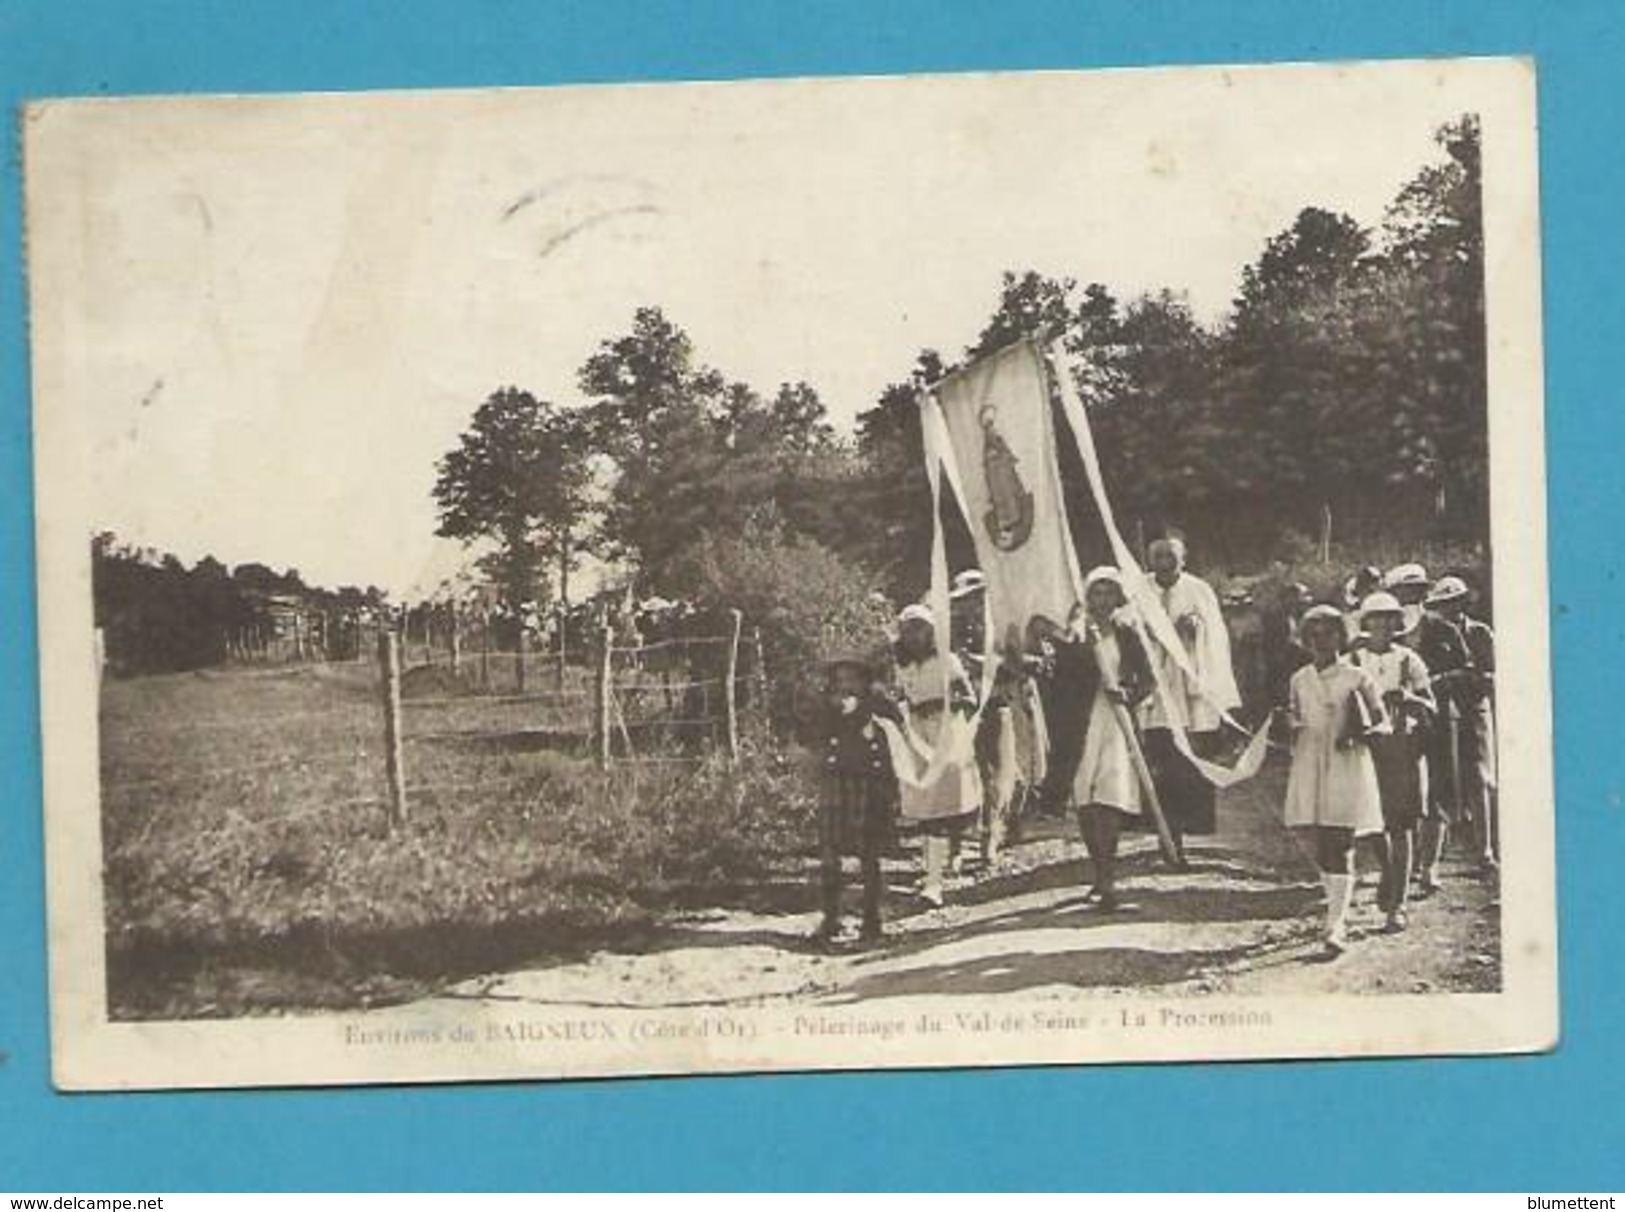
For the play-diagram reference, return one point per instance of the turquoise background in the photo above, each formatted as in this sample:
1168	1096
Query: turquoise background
1533	1124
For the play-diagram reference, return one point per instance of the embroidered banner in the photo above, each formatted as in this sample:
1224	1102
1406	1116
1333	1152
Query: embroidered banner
997	419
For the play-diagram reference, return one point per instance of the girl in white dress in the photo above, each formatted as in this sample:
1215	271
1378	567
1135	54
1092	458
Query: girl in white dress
1107	786
1332	790
1401	678
943	808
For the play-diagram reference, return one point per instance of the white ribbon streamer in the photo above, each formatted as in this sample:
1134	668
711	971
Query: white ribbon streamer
1147	612
956	742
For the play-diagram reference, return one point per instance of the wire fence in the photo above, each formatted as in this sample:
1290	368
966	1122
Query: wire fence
430	730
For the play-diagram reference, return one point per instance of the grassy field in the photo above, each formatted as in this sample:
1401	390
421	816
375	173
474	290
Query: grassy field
248	865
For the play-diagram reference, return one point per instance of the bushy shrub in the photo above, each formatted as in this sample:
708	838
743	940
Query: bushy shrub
809	602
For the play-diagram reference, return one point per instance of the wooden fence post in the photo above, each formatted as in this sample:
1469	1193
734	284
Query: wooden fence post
729	695
456	641
558	672
604	689
389	659
519	661
485	650
761	674
1326	534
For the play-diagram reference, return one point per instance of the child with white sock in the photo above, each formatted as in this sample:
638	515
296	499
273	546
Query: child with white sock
1402	679
943	809
1332	789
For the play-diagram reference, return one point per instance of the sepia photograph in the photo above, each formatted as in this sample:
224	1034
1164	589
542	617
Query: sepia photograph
843	573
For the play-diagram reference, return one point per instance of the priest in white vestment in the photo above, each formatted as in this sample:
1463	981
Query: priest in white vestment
1196	702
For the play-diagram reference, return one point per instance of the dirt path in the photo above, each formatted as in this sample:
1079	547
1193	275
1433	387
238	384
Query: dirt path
1245	920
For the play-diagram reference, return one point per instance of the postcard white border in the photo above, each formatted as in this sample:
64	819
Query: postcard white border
437	1041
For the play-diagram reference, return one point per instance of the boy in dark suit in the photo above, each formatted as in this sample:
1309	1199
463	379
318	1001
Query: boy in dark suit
855	790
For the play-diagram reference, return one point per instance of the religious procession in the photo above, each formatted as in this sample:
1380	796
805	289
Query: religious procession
1023	690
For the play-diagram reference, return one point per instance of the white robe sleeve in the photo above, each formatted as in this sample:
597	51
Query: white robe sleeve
1217	674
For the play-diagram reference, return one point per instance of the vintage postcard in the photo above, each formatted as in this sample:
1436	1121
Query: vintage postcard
808	574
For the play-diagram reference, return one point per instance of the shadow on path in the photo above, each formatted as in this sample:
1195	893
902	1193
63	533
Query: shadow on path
1085	968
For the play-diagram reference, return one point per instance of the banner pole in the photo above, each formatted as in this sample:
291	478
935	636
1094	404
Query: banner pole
1153	803
1165	839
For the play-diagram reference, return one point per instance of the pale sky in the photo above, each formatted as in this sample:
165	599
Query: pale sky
286	309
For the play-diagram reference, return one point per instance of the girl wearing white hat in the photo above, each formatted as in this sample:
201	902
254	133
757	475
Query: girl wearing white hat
1473	700
1401	678
1409	585
943	808
1107	786
1332	789
1440	643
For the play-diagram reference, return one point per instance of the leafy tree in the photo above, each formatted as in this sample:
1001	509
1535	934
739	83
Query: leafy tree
1289	398
518	478
1350	374
158	616
1029	303
695	454
1154	414
896	497
255	578
742	418
663	420
800	422
1435	367
1319	252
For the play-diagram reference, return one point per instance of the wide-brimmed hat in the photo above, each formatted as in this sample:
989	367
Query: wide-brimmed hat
1405	574
1449	589
968	582
1380	602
